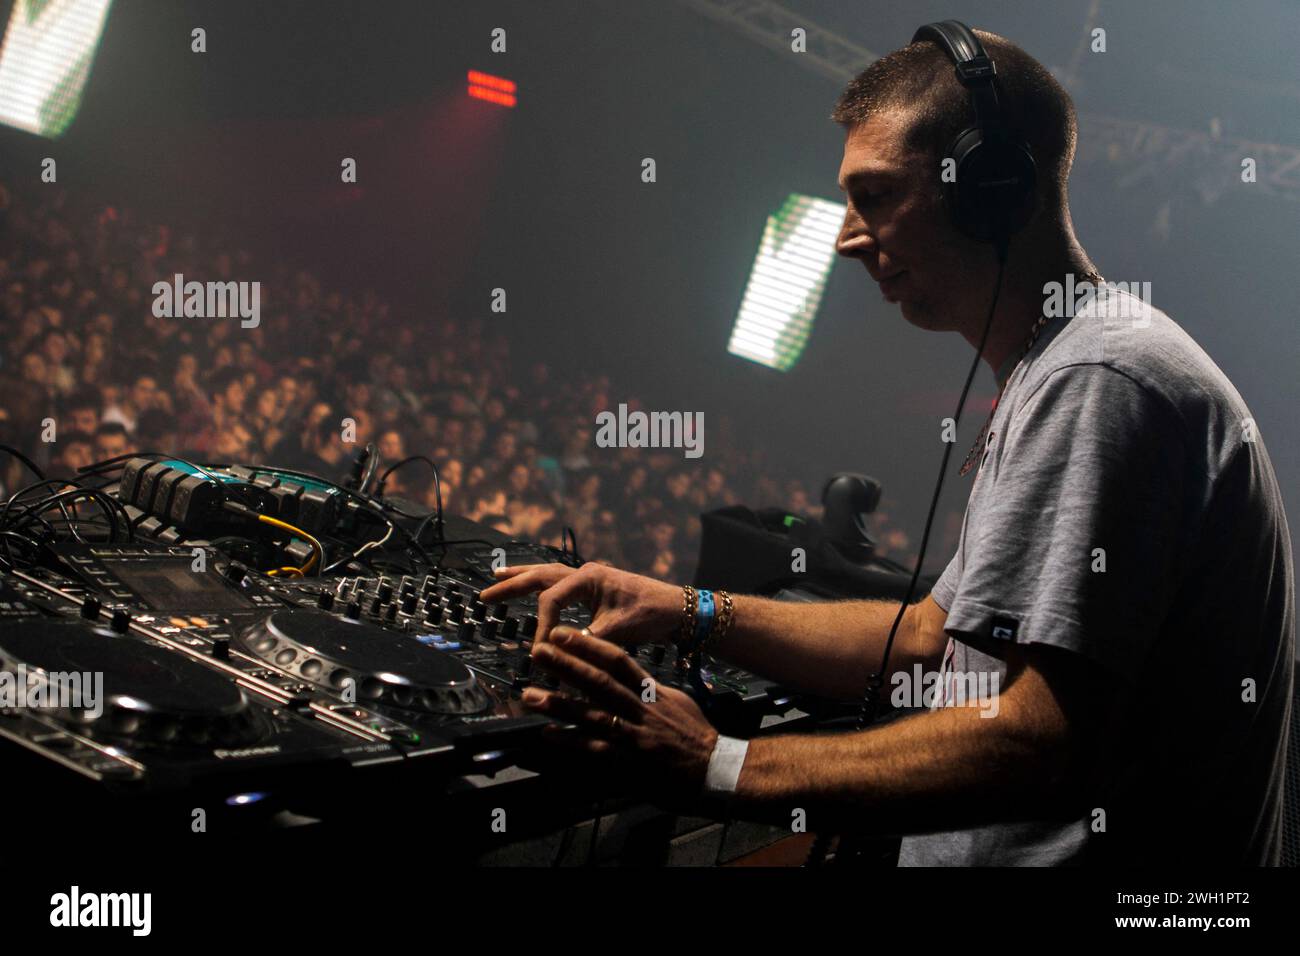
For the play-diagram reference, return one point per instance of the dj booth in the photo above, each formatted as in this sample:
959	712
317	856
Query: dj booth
236	649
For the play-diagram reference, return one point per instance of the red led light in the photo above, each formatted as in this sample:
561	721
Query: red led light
491	82
492	96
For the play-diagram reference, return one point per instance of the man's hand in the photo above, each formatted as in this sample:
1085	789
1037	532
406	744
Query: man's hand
625	607
659	733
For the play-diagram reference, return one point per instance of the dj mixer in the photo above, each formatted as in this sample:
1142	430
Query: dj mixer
209	681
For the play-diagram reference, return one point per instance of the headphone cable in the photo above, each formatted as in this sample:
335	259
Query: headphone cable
871	699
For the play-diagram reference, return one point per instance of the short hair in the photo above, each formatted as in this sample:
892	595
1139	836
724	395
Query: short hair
223	378
920	79
84	396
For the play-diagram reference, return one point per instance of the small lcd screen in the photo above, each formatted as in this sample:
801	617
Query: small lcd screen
173	586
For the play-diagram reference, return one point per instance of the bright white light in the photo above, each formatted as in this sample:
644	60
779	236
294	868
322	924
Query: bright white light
785	286
45	60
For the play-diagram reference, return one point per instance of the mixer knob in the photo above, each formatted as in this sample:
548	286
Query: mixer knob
433	614
408	603
325	600
657	654
488	629
384	591
121	621
353	611
508	628
465	633
90	608
390	613
221	648
529	627
456	614
478	611
376	603
235	572
500	611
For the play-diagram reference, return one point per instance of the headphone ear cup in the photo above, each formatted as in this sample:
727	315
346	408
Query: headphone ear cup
994	191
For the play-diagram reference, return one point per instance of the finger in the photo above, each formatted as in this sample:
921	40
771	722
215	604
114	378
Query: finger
603	654
581	713
599	685
523	579
576	740
510	570
564	593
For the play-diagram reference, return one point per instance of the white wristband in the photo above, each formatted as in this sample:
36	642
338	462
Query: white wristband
724	765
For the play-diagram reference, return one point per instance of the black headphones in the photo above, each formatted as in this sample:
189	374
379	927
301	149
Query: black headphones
993	194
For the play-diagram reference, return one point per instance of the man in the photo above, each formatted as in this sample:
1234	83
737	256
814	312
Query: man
1124	575
111	441
81	410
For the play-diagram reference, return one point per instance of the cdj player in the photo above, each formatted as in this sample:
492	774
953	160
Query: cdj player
229	688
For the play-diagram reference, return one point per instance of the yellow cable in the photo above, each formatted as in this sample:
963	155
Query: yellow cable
317	552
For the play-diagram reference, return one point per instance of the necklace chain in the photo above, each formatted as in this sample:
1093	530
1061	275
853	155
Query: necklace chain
977	449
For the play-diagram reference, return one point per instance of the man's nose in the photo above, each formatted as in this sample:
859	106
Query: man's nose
854	240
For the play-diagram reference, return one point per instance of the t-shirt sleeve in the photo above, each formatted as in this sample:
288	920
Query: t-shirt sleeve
946	586
1079	539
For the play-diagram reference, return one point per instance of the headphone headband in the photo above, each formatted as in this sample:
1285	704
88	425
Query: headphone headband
975	71
993	193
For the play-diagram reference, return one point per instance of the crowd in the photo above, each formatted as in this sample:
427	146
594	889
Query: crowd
87	372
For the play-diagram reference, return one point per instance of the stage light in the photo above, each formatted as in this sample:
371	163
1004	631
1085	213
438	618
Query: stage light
45	60
785	286
494	89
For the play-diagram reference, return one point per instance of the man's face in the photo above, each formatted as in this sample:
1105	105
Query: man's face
84	419
390	447
78	454
110	445
144	393
897	226
233	396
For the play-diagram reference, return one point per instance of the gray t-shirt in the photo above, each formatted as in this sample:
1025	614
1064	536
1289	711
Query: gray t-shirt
1118	443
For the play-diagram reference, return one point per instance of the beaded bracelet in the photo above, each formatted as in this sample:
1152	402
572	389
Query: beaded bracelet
706	619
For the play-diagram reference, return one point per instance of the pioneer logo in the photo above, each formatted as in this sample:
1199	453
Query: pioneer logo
75	909
246	752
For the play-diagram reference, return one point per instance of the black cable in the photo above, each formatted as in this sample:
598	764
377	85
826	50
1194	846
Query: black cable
383	479
31	465
6	535
436	515
871	697
33	510
97	467
565	536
